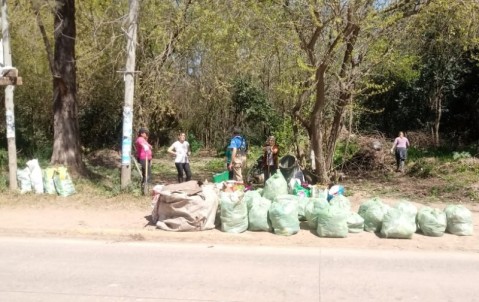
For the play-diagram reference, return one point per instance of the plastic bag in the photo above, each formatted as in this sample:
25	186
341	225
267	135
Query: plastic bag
36	176
48	183
397	224
275	185
373	212
312	209
432	222
332	222
63	182
23	177
355	223
233	212
342	202
258	214
459	220
283	214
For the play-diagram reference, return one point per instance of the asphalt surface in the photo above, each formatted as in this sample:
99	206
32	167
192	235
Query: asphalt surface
35	269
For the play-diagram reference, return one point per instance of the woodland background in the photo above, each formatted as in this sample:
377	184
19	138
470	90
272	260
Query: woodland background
304	71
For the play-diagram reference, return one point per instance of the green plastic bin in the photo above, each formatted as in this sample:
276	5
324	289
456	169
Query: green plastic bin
219	177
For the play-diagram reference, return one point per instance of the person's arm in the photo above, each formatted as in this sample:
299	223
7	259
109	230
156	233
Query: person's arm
188	151
394	145
233	155
170	150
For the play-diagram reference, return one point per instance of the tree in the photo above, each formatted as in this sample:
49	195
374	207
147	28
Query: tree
442	35
329	34
66	138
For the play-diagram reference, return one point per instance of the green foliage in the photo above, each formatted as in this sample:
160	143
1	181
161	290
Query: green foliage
3	181
106	182
345	151
284	137
438	191
3	158
3	169
422	169
195	145
203	65
459	155
216	165
252	110
442	154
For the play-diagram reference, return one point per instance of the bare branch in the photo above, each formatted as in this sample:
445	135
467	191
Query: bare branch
46	41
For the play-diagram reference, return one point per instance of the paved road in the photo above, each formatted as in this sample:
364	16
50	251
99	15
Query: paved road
73	270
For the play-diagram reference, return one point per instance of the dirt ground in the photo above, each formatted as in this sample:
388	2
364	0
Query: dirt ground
76	217
125	217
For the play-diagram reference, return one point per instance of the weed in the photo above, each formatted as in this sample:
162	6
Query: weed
472	195
422	169
216	164
459	155
195	145
3	182
345	152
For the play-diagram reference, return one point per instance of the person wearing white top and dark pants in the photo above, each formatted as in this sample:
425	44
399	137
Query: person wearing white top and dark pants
181	150
400	145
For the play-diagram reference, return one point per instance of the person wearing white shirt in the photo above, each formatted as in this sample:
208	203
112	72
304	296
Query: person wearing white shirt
181	150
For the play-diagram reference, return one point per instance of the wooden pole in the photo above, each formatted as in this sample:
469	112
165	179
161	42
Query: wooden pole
9	106
129	95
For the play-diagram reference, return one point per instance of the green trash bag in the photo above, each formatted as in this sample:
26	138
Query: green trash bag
312	209
333	222
63	182
341	201
397	224
250	196
283	214
301	203
407	208
373	212
459	220
233	213
275	185
258	214
355	223
431	222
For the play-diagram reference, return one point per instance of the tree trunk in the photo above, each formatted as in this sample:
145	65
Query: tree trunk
437	123
316	126
66	143
436	104
346	85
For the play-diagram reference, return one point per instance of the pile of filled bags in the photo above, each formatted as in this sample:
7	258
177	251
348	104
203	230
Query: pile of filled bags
280	207
52	180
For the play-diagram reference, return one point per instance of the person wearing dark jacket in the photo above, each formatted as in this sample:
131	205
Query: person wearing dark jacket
270	157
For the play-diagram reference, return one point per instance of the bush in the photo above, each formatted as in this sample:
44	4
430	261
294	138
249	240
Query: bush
422	169
195	144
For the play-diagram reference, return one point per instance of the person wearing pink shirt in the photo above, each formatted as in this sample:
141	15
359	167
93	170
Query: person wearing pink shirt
400	145
144	155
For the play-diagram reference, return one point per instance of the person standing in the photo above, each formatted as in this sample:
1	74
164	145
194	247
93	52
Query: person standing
228	162
400	145
270	157
144	155
181	150
238	148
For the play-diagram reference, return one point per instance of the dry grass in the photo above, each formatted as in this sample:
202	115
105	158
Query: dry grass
374	176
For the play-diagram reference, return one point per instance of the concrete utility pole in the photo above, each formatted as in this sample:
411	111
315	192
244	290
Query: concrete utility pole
9	112
129	77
